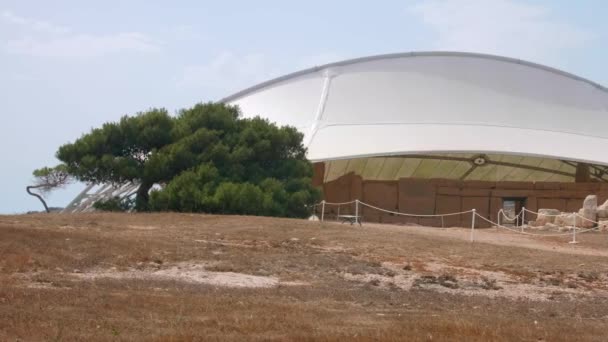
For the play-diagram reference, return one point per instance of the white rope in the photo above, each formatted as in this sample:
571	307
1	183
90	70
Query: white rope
520	232
501	211
584	218
395	212
338	203
537	213
414	215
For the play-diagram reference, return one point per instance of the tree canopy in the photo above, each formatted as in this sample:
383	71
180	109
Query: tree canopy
47	179
208	158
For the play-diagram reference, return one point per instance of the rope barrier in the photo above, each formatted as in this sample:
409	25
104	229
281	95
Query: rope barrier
522	212
337	203
514	230
584	218
415	215
520	232
501	211
474	213
555	215
537	213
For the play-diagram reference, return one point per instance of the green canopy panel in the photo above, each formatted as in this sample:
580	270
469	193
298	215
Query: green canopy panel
480	167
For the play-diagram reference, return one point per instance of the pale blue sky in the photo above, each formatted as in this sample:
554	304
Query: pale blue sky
68	66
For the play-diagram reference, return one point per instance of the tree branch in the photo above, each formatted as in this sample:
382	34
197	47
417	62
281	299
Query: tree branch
28	189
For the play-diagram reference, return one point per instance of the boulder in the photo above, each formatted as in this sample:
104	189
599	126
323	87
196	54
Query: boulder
313	218
602	213
546	216
590	216
542	220
565	219
590	202
550	212
603	225
550	226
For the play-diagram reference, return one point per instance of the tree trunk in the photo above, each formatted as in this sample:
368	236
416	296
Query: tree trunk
142	197
29	188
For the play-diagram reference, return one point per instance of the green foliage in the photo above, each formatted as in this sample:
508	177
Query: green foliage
114	204
210	159
49	178
118	151
201	190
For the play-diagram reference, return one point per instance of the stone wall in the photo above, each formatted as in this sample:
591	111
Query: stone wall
440	196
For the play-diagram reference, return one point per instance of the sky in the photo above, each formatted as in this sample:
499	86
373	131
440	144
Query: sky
68	66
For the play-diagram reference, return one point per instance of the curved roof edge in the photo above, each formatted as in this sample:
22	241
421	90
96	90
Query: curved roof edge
283	78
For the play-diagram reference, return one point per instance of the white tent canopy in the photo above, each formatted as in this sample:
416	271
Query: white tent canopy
437	102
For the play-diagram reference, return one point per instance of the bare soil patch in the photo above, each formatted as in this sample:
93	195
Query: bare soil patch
176	277
189	273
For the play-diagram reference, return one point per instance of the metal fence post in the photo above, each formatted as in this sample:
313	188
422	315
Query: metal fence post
322	210
499	216
357	210
523	213
574	230
474	212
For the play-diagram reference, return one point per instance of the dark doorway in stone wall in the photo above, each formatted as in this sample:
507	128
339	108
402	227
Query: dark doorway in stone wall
512	206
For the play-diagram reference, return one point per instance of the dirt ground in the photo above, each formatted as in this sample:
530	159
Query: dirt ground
181	277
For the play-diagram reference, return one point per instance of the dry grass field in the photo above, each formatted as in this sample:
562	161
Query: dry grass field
179	277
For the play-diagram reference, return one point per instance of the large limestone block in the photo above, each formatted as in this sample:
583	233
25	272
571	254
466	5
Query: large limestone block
546	216
586	218
603	225
590	202
602	213
542	220
549	212
550	226
604	205
565	219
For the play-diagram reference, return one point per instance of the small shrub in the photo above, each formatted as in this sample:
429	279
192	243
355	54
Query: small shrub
589	276
390	273
489	284
448	280
114	204
425	280
374	282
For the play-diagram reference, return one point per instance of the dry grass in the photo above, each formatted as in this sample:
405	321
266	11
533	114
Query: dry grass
335	282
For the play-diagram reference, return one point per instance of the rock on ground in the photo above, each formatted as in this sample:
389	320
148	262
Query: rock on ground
546	216
586	218
590	202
